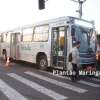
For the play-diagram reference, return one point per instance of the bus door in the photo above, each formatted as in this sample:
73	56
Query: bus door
0	44
59	47
14	41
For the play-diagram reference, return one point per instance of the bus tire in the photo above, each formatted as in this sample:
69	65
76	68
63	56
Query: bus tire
42	62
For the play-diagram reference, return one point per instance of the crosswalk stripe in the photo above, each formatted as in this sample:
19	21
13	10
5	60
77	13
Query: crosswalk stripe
37	87
94	79
61	84
11	93
86	83
82	82
89	83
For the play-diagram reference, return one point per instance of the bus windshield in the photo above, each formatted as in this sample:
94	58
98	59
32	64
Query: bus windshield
86	36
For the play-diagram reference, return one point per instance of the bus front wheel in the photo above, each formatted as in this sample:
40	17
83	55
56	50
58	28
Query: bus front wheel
42	62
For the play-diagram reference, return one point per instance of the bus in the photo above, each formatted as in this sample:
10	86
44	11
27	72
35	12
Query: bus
48	43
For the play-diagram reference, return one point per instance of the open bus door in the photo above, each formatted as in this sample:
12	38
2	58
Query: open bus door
59	47
13	46
0	44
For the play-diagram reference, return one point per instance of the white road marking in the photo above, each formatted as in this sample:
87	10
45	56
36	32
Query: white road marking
11	93
82	82
94	79
37	87
61	84
89	83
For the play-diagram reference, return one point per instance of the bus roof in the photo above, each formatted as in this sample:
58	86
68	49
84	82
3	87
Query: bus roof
67	19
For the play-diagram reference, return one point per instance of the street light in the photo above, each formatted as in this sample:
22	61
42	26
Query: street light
80	6
41	4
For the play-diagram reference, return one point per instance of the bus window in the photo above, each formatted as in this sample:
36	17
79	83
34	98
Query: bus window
18	38
8	38
41	33
61	37
4	37
0	38
27	34
73	31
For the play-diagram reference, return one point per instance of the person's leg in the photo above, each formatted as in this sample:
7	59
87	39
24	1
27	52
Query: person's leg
77	73
73	73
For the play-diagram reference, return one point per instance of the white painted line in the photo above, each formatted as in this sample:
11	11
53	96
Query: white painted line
61	84
95	79
56	75
89	83
37	87
82	82
11	93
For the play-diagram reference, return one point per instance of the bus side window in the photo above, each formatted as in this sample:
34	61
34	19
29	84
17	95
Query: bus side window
41	33
0	38
8	38
27	34
61	37
19	37
4	37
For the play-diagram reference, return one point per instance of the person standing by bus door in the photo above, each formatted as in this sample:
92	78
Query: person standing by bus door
75	61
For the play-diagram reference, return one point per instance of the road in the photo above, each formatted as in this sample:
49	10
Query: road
22	81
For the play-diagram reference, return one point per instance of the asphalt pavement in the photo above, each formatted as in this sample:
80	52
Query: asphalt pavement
24	81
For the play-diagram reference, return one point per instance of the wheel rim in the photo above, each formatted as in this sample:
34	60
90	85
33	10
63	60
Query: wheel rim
42	62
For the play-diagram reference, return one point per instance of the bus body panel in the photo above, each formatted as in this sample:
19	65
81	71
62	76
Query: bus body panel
28	50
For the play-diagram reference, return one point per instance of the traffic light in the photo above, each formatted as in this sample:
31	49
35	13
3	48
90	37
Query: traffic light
41	4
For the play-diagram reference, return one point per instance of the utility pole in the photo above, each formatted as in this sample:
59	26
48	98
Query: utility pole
41	5
80	2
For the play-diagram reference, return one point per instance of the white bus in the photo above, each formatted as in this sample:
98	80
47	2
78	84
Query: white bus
49	43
